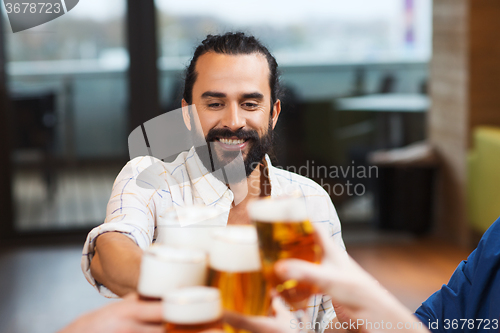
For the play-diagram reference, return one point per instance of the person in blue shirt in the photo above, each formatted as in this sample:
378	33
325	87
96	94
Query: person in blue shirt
470	302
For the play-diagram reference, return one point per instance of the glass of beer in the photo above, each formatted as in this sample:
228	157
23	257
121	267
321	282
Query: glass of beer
284	232
189	226
192	310
165	268
235	268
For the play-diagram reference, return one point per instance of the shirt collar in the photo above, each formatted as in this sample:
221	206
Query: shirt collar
276	189
207	185
212	189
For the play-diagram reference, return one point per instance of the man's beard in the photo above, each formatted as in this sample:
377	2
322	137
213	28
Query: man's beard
215	158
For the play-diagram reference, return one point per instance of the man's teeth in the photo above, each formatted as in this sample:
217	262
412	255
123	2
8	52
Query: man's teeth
231	142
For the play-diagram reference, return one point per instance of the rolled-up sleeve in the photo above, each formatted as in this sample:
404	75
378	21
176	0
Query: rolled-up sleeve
130	211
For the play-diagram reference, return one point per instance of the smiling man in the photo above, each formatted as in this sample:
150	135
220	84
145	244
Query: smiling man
236	106
233	83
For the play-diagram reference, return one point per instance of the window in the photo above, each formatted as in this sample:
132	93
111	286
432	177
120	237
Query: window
68	82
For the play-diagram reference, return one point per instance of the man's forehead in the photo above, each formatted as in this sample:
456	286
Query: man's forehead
213	68
214	58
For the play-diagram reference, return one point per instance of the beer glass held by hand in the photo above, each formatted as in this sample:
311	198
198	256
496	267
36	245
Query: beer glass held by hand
192	310
165	268
235	269
284	232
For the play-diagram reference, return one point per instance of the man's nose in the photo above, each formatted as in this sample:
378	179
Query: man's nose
233	117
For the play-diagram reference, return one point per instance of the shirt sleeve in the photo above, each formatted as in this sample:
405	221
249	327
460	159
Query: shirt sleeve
130	211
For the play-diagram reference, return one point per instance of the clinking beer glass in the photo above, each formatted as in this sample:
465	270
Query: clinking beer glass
192	310
235	269
285	232
165	268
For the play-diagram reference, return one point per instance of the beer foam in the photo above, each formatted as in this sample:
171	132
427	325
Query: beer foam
195	215
190	226
165	268
193	305
284	209
235	249
176	254
194	238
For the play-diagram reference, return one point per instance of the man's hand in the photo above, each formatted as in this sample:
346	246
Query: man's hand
129	315
116	263
345	319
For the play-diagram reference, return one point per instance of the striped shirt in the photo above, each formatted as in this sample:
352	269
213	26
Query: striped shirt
135	210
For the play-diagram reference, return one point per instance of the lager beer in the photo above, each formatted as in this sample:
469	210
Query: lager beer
284	232
192	310
235	269
164	268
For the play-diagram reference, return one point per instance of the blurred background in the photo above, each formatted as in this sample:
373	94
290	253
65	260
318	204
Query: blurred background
390	105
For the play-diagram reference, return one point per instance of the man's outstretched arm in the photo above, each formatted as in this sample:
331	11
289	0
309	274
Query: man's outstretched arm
116	263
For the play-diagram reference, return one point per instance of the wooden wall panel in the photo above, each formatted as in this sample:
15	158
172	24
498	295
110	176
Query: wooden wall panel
449	113
465	92
484	63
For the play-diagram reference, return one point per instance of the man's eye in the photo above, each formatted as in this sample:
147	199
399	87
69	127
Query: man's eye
214	105
250	105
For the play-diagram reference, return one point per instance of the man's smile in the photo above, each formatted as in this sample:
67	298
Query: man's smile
233	143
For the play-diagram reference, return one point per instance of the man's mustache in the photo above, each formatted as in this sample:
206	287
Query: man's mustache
225	133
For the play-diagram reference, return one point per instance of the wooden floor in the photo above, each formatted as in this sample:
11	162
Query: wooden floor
43	289
80	198
412	269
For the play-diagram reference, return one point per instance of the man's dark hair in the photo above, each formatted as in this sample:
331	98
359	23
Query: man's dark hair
232	43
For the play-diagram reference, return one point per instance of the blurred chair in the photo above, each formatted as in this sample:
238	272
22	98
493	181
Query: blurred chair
483	178
34	120
404	195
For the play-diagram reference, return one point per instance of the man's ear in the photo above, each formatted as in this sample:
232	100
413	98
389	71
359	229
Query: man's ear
276	112
186	115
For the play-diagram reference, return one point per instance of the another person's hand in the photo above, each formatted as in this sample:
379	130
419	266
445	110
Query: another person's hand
361	298
282	322
129	315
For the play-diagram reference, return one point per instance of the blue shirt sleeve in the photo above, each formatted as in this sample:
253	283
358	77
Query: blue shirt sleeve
472	294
